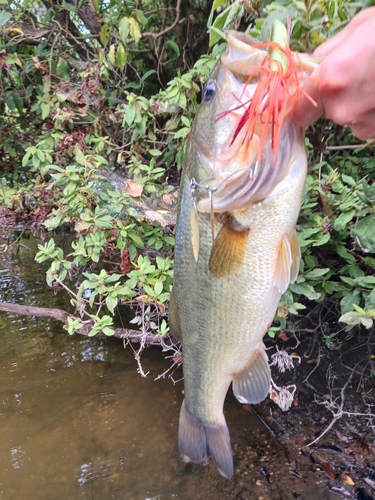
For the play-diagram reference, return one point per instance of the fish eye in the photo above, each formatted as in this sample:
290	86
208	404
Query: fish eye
209	92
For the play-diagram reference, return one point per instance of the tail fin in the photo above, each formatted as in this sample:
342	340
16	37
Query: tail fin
198	442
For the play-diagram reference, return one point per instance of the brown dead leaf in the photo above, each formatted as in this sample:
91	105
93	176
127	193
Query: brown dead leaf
282	311
329	471
274	395
283	336
167	199
132	188
141	297
125	264
152	215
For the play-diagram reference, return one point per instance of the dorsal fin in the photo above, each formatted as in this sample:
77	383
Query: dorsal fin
229	248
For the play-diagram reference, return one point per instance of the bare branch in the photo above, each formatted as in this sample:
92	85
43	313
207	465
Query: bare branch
60	315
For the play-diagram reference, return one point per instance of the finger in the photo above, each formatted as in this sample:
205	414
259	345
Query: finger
364	129
305	112
331	44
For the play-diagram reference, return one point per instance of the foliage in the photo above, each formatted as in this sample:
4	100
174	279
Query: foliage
335	246
97	100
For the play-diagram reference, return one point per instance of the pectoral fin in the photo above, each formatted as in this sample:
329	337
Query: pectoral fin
288	256
252	385
229	249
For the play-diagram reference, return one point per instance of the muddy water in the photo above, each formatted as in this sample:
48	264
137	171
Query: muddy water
78	422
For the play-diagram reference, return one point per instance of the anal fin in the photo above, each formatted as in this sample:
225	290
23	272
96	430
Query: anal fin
229	249
252	385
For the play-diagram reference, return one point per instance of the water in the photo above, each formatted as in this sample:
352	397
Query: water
76	419
78	422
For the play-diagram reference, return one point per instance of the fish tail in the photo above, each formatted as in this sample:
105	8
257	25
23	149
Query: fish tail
198	442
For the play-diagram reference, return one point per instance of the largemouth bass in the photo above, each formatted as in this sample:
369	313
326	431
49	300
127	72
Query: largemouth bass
236	245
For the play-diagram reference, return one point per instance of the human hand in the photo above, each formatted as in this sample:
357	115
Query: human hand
343	85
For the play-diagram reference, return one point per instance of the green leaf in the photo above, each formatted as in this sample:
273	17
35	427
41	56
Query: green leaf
305	289
348	180
342	220
63	69
111	54
322	240
174	46
104	34
111	303
134	29
108	331
217	4
351	298
342	251
141	17
137	239
10	102
4	17
317	273
158	288
182	133
121	57
130	114
359	309
46	108
365	232
149	290
123	29
80	157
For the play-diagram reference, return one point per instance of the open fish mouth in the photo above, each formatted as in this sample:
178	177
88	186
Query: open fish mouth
245	186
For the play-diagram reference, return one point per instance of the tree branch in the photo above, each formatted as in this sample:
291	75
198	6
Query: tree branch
60	315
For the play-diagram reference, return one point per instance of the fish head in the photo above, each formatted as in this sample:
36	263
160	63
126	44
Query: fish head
224	98
242	135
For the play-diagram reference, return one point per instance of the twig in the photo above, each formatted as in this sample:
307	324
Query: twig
164	31
135	336
339	413
351	146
